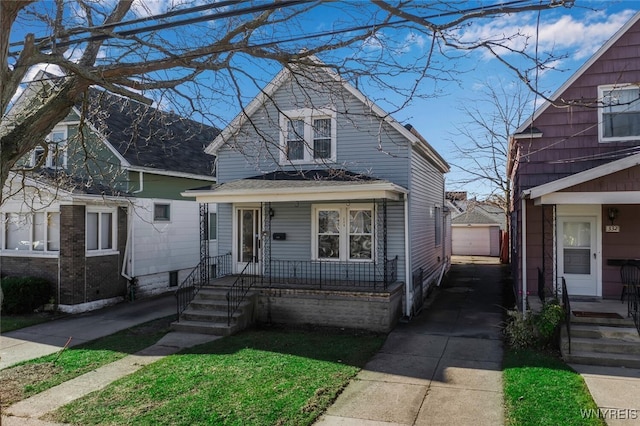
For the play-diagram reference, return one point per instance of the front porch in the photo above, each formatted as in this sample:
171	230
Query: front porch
364	295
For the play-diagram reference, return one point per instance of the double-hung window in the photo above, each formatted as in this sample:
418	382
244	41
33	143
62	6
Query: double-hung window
619	115
101	230
34	232
343	232
57	150
308	136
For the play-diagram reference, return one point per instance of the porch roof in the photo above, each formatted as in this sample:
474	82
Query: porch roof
305	186
550	193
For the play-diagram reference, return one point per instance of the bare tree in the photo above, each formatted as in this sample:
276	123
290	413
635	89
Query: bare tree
482	143
198	58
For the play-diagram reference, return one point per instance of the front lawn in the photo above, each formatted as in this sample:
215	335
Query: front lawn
540	389
31	377
261	377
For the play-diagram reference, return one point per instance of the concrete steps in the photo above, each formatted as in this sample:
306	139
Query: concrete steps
602	341
207	314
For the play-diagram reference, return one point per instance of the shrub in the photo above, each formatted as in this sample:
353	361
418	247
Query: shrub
534	330
22	295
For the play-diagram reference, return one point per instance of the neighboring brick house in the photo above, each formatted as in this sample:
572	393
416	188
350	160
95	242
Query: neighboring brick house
576	178
337	207
98	210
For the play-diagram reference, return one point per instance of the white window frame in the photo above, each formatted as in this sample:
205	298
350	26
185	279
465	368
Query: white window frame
45	237
215	224
344	231
601	112
307	115
53	148
114	231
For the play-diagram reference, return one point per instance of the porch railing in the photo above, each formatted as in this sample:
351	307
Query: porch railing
241	286
566	304
329	274
207	269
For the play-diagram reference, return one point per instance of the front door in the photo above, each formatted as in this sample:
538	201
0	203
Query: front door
247	240
577	261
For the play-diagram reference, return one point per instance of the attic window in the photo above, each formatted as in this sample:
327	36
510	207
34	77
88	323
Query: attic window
161	212
619	116
308	136
57	150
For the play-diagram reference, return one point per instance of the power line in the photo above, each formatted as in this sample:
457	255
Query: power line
252	9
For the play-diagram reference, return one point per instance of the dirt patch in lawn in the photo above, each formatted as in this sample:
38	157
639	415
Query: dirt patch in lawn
15	380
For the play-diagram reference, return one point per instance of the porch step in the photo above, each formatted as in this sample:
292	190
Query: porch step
206	327
596	358
612	343
207	313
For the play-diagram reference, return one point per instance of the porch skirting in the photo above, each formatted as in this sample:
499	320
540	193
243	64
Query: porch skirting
378	312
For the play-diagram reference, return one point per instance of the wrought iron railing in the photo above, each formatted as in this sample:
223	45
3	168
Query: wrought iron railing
206	270
566	304
325	274
241	286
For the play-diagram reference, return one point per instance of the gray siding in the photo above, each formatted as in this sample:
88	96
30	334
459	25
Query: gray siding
225	228
364	145
426	192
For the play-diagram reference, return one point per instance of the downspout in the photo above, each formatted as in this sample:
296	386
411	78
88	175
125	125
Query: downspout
523	225
127	263
407	260
140	183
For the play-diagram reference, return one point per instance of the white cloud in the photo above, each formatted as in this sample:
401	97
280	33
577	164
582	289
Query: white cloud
581	37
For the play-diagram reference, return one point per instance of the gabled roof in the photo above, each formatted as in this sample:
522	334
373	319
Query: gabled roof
417	141
567	84
473	216
148	138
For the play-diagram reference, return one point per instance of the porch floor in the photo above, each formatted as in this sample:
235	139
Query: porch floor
589	305
289	283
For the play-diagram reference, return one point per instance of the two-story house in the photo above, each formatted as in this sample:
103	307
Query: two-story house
332	204
576	178
96	209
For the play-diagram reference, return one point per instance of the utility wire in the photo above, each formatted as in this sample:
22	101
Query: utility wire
239	12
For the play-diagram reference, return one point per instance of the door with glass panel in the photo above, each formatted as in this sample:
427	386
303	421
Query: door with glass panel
247	240
577	255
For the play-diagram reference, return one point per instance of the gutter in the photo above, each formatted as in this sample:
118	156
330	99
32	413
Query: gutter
127	262
140	183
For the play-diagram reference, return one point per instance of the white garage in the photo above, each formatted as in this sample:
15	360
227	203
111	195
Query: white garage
476	240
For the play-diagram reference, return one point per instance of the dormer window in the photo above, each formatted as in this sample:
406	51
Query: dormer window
619	116
308	136
57	147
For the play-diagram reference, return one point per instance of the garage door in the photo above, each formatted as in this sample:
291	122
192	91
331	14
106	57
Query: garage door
477	241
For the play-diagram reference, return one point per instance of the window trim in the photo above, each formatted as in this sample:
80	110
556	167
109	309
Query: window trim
601	112
209	226
46	228
162	219
48	163
114	231
308	115
344	231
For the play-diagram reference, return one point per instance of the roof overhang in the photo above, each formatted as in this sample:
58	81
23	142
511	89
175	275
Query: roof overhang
282	191
549	193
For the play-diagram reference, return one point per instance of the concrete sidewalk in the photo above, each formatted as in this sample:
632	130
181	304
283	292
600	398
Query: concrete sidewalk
47	338
444	367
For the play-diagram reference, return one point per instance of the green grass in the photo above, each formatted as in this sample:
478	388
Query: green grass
15	322
540	389
34	376
263	377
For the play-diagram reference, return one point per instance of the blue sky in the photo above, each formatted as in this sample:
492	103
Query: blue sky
577	32
573	34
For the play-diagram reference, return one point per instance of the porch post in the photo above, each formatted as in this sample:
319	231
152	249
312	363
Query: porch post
204	243
384	241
